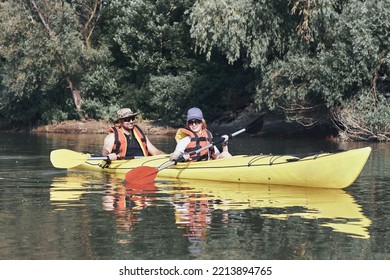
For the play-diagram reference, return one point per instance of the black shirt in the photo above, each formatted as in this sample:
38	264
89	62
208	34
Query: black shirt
133	148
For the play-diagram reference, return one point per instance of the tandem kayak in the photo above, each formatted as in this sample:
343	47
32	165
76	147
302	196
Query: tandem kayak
323	170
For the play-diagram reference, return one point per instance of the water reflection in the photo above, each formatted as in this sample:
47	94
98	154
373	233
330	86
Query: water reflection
195	203
67	190
124	202
333	208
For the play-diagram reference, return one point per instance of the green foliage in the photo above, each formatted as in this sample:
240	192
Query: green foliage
374	124
161	73
95	109
24	60
101	78
313	57
348	62
35	62
16	109
312	61
376	114
169	95
151	36
54	116
251	29
221	90
43	51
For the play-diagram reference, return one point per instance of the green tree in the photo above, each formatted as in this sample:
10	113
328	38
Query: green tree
45	47
152	50
316	60
161	74
254	30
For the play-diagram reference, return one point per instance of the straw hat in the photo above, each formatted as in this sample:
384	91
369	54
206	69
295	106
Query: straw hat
124	113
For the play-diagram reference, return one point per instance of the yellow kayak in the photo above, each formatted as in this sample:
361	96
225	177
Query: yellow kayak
323	170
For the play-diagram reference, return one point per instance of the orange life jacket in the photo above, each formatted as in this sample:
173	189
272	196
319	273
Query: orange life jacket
198	142
120	142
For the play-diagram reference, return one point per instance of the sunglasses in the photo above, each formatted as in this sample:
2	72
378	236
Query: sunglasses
128	119
191	122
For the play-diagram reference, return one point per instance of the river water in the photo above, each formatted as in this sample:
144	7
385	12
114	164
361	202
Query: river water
53	214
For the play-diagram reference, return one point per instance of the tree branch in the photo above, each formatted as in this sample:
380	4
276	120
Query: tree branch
43	20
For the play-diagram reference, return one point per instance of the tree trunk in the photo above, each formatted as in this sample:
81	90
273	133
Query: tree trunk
75	93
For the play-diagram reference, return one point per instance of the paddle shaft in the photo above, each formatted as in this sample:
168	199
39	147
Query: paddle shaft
107	158
218	141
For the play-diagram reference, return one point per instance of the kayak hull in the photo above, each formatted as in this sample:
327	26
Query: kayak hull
322	170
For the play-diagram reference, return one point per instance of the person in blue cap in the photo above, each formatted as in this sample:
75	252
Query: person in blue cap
195	136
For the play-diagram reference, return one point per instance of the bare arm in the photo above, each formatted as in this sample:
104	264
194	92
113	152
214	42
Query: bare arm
108	144
152	149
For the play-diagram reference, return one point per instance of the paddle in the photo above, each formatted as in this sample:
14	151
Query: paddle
64	158
146	174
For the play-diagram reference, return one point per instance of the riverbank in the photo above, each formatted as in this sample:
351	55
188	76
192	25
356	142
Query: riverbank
100	127
226	124
271	128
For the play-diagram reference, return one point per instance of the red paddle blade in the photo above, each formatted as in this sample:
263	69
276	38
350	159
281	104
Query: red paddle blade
141	175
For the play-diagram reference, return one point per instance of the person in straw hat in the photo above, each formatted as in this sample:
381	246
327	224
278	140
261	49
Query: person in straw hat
126	139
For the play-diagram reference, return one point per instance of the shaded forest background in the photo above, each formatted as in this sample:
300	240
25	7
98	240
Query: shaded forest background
310	62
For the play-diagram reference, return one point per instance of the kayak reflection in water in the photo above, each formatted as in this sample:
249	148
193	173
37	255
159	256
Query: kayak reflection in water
195	136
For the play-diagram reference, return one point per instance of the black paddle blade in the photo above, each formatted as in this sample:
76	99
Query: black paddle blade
141	175
255	126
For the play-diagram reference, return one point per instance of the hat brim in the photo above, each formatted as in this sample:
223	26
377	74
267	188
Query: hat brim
129	115
194	118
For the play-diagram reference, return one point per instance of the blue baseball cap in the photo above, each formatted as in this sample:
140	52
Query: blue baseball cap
194	114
